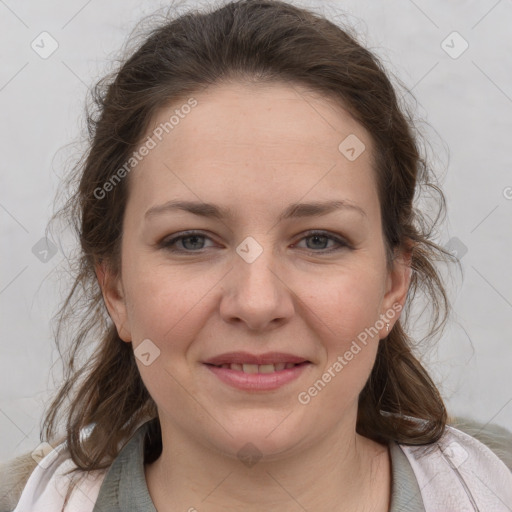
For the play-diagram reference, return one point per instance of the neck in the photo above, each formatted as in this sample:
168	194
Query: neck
349	470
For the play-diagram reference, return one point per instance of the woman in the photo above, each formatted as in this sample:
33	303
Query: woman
246	219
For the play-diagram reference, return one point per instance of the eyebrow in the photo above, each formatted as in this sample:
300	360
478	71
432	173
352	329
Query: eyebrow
293	210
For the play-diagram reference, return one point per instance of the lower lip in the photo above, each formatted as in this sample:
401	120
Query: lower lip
257	381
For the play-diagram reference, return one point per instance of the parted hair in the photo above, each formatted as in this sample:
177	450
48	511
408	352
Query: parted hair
247	41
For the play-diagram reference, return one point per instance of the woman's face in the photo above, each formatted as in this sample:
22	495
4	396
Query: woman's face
286	264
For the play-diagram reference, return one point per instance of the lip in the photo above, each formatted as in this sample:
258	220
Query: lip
259	359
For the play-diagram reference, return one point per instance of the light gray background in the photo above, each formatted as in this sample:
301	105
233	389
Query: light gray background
468	100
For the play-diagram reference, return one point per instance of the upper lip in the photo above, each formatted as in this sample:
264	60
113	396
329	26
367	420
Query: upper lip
259	359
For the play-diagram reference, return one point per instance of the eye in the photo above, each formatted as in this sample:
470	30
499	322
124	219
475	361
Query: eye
317	241
190	241
194	241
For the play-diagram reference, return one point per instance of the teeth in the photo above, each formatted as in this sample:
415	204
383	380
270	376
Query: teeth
250	368
262	368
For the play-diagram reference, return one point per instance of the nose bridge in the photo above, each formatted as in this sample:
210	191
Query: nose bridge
256	293
254	269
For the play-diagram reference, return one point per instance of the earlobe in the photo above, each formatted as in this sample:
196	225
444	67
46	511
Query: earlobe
113	297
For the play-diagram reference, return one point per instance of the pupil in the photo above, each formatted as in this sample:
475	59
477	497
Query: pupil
194	239
320	238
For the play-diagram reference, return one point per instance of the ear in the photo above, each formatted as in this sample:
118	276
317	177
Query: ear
397	287
113	296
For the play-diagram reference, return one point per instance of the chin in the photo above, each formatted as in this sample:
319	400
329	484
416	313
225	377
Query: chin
256	437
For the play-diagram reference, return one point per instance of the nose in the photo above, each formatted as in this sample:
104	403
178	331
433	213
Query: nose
256	294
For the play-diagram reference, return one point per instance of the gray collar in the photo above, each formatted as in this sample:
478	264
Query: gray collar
124	487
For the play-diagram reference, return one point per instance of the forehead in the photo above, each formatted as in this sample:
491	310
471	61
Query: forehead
259	142
276	113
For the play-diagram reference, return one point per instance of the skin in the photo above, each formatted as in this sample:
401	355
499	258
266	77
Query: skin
256	149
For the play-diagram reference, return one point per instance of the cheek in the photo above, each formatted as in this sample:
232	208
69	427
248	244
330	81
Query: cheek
345	301
168	308
166	303
345	309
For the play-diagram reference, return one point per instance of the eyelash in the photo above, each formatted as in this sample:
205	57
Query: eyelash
167	244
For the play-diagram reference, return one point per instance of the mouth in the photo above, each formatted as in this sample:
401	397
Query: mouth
258	368
262	372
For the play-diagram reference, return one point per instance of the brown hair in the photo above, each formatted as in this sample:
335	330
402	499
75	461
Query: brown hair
259	41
